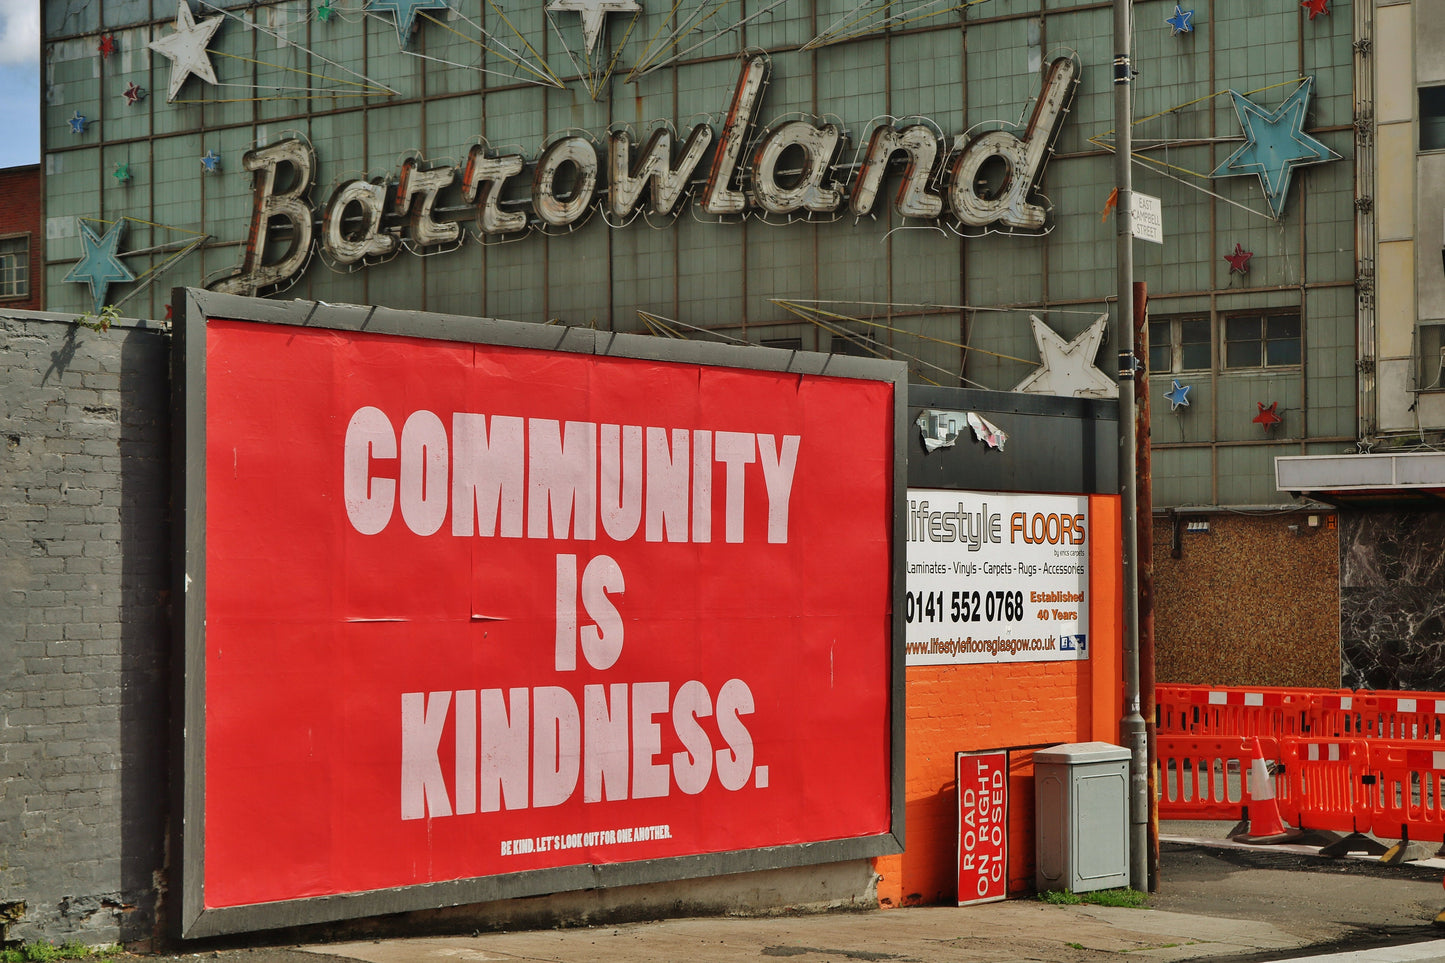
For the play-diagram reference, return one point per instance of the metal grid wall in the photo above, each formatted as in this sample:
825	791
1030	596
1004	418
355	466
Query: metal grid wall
975	66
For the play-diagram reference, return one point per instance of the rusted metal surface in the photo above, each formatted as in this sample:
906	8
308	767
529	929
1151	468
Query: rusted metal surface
256	276
342	240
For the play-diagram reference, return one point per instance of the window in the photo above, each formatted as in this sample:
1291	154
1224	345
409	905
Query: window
15	266
1179	344
791	344
1432	118
1432	357
1262	341
856	343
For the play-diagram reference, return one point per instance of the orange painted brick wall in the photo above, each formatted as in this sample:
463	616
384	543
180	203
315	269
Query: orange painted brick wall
1018	705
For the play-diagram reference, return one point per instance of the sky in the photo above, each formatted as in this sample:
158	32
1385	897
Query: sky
19	82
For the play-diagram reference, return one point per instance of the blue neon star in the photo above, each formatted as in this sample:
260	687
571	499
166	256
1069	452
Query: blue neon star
99	265
1181	22
405	13
78	122
1178	395
1275	144
211	161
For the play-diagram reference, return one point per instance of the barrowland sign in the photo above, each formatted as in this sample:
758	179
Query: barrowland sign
789	170
527	612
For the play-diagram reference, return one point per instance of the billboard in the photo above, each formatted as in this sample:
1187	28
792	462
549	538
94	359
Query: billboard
477	610
996	577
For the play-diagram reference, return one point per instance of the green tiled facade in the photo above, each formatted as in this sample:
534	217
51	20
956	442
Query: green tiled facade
928	291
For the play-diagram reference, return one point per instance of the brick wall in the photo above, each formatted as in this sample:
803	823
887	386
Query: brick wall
20	214
85	679
84	649
83	633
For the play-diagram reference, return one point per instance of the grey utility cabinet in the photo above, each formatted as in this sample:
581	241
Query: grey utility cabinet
1081	805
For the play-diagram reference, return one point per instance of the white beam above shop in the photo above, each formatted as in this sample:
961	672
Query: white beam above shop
1357	473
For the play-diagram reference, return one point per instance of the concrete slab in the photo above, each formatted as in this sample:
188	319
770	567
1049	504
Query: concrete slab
1214	834
1019	929
1216	903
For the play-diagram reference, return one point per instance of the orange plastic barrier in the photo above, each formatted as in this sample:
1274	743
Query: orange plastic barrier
1335	715
1328	784
1270	711
1205	777
1405	800
1400	715
1174	712
1346	761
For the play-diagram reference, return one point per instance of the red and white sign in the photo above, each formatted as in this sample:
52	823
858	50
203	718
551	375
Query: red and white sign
982	781
475	610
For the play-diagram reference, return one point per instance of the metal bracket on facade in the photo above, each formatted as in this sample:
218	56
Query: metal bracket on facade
1364	204
1364	46
1366	365
1365	125
1365	285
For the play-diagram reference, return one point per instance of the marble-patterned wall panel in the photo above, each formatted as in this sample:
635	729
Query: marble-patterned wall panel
1392	600
1254	601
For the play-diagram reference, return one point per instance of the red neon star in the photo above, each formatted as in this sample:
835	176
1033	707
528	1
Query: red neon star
168	312
1239	260
1316	7
106	47
1269	417
133	94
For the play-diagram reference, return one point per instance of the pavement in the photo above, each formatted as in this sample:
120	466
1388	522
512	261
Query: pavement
1218	901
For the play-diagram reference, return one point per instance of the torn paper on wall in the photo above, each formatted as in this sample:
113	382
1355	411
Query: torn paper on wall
940	428
987	432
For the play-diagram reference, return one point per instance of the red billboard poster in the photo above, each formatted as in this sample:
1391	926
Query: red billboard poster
478	611
982	781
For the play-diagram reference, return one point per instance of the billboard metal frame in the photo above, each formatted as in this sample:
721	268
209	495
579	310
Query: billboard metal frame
192	308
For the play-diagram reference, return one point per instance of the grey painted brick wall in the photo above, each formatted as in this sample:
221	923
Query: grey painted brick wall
85	653
84	633
85	682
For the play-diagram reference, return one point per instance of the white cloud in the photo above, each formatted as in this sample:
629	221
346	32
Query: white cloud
19	32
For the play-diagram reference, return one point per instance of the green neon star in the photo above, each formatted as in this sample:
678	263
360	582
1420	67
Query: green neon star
405	12
323	12
122	171
1275	144
100	265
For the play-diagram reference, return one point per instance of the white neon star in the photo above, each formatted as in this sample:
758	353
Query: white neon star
186	48
1068	367
592	12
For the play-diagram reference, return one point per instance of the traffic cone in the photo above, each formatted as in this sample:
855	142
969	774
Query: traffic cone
1264	820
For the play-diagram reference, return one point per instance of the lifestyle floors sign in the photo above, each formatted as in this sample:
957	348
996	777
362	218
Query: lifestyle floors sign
995	577
790	170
